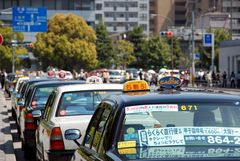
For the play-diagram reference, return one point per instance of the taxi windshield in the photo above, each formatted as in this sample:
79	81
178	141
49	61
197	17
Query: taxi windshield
82	103
182	124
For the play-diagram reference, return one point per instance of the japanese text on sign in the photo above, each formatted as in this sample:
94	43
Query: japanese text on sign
189	136
150	108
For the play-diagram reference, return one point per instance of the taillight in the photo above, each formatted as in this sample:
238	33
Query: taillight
157	125
56	139
29	122
21	108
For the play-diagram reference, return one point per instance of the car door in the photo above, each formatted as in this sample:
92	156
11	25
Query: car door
92	140
42	136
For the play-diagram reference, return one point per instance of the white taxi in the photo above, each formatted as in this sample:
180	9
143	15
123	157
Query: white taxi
68	107
16	95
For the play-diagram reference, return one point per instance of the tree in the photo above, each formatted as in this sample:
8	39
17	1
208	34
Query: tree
104	46
136	37
6	49
157	53
68	44
219	35
180	60
124	50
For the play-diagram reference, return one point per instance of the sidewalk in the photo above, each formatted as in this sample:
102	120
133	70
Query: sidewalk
6	144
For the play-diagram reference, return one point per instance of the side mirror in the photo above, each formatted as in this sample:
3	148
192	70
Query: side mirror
37	113
72	134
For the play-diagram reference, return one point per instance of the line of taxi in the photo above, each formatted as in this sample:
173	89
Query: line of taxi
95	121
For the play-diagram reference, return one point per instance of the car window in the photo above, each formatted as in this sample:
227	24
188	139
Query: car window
92	128
190	124
100	128
41	95
82	102
48	106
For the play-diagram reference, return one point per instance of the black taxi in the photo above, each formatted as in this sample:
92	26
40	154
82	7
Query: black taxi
164	125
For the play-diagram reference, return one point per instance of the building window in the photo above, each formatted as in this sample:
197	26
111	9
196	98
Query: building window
98	6
144	26
108	14
143	7
50	4
25	3
132	15
132	4
143	17
114	28
98	16
37	4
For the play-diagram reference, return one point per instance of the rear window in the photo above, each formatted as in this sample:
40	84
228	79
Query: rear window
187	124
82	103
42	94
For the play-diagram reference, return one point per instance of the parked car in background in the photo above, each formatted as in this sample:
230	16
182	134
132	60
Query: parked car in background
133	73
116	76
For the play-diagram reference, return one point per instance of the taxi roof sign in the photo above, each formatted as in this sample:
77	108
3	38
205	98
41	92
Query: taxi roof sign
94	80
135	85
170	82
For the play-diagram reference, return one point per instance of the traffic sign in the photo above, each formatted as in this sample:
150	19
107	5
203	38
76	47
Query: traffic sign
1	39
208	40
196	56
25	19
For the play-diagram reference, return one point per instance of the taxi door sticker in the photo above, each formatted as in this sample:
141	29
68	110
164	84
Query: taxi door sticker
127	144
150	108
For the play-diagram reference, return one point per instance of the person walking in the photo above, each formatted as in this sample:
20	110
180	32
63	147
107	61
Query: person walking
3	77
140	74
232	79
224	76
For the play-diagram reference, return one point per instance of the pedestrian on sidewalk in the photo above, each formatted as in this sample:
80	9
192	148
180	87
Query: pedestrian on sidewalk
224	85
2	75
232	79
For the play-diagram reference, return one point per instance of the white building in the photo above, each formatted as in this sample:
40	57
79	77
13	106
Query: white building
229	58
122	15
119	15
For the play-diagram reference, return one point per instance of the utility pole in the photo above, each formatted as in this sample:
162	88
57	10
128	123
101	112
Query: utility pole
193	48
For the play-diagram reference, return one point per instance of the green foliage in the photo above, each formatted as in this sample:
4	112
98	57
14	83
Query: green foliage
6	49
219	35
136	37
68	44
157	53
104	46
180	60
124	50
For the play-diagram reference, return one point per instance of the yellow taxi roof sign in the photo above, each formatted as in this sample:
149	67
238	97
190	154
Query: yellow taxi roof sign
135	85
